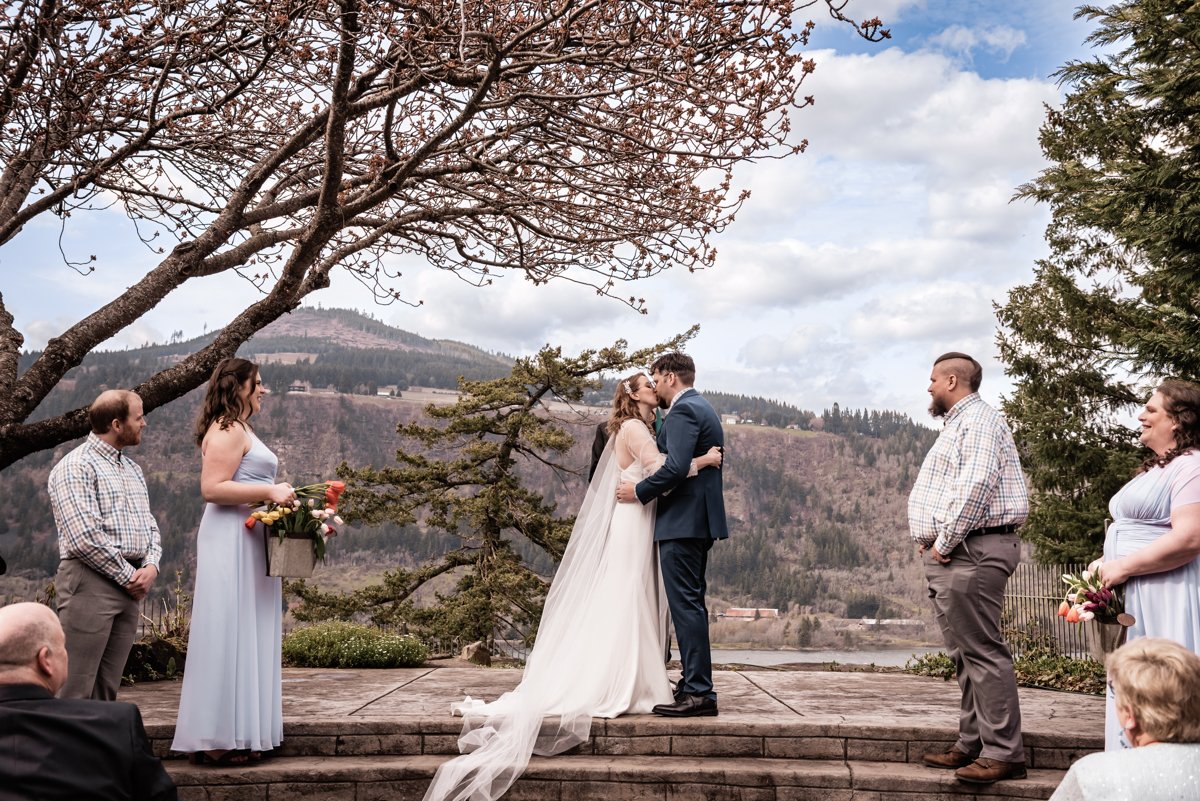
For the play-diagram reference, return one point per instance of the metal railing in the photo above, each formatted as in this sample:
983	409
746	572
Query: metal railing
1031	602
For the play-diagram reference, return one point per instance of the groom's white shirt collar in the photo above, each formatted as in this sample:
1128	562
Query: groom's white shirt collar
678	395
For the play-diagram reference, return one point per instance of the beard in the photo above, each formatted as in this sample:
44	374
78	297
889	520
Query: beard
663	403
938	408
129	439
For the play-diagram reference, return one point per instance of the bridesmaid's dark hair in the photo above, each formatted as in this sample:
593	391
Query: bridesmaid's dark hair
1181	402
223	402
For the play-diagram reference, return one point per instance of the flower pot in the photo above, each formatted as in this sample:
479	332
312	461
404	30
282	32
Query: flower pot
291	557
1104	638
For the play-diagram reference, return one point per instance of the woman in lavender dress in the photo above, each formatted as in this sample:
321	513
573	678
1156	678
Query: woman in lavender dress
231	708
1153	544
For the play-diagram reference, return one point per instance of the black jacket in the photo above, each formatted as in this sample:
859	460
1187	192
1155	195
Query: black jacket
75	749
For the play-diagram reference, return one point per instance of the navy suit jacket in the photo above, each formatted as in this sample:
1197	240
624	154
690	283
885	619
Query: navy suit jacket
75	750
695	507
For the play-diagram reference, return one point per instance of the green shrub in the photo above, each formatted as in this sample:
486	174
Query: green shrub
1037	667
1043	667
350	645
937	665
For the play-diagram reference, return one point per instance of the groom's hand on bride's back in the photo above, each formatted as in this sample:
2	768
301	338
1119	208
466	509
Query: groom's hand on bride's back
626	492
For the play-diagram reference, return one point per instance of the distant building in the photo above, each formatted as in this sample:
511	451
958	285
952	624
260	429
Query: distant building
729	419
746	613
891	622
299	386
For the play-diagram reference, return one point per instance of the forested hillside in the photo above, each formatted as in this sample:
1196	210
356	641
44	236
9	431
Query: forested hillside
817	517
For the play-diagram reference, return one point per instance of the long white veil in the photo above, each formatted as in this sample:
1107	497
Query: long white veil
548	712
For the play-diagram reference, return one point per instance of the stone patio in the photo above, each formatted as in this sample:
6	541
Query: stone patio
781	734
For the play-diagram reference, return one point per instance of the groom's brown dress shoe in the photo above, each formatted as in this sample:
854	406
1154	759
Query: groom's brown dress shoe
986	771
951	759
689	706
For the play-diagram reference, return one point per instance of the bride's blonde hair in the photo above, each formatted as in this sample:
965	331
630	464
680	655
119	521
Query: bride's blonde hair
624	407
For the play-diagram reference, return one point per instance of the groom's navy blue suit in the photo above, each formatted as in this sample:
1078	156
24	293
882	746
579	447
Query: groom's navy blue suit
689	517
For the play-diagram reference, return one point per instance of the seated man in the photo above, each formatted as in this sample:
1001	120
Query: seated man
54	748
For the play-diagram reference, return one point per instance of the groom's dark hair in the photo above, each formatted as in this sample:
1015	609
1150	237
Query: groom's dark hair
678	363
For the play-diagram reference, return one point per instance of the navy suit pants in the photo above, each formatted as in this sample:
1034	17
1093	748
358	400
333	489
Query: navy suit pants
683	562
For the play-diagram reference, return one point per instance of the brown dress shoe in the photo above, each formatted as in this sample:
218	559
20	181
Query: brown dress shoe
951	759
986	771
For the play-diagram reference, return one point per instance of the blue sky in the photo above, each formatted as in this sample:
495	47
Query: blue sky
848	270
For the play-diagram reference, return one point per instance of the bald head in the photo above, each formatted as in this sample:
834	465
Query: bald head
109	405
32	647
117	417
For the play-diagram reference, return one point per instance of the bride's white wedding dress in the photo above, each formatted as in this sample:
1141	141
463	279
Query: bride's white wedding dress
600	645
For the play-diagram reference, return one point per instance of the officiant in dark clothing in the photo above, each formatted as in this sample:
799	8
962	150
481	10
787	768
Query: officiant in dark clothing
598	443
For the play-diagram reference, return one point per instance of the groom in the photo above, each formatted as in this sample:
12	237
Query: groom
690	515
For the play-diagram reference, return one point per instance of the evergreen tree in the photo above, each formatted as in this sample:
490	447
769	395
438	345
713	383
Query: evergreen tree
1114	308
464	478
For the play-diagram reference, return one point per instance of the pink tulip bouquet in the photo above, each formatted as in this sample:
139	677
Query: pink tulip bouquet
1088	599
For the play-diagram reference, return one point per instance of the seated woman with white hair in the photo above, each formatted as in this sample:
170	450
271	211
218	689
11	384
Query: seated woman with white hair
1157	687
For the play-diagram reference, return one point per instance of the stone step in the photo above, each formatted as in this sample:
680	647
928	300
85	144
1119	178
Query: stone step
649	735
588	777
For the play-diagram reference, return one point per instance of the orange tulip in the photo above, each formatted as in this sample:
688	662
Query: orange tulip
333	491
250	521
1073	615
1063	608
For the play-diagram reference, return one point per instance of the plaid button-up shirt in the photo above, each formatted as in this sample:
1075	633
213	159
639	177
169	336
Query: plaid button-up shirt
971	478
102	511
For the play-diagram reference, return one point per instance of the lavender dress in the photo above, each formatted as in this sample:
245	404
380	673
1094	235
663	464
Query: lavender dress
232	681
1165	604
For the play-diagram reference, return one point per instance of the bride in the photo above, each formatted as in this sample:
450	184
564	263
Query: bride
603	633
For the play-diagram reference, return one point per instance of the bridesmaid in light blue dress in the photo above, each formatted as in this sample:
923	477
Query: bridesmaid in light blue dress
230	711
1153	544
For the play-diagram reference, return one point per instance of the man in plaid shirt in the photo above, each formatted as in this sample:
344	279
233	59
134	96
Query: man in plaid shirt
963	513
108	543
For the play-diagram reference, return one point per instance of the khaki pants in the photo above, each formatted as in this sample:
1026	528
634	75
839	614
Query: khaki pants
100	622
968	596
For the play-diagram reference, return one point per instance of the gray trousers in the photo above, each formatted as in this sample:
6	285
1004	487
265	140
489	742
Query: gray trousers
968	596
100	622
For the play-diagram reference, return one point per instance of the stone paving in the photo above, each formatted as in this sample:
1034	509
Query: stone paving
351	734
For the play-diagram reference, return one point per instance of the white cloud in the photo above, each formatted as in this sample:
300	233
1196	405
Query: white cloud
921	108
941	312
771	351
510	315
998	39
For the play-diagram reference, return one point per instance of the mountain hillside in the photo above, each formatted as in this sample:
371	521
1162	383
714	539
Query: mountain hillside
817	517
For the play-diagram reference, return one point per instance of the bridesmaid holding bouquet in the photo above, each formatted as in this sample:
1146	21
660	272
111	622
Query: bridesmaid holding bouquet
231	710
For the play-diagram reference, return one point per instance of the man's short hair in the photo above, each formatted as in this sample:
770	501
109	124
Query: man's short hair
678	363
1159	680
972	376
110	405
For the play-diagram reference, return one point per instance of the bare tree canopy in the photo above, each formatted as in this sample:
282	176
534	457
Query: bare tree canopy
589	141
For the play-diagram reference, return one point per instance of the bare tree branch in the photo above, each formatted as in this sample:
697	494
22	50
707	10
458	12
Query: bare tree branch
283	138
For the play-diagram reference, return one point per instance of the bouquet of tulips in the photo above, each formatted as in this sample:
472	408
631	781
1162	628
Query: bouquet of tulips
1088	599
312	515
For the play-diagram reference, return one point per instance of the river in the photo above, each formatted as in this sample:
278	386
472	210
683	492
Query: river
881	657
